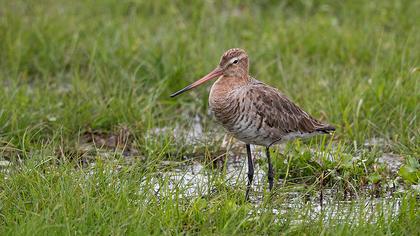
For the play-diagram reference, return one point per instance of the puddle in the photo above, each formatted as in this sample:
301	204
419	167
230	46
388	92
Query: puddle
4	163
194	179
338	211
375	143
392	161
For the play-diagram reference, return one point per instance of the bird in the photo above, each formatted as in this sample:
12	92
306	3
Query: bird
254	112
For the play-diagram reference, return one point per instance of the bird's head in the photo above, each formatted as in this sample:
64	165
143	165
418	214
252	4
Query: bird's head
233	63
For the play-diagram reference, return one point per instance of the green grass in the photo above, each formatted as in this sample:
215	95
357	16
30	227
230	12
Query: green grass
45	199
69	69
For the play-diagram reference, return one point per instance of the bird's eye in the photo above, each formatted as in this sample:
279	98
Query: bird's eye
235	61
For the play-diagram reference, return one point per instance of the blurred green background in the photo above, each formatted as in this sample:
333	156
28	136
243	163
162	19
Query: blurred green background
68	65
71	68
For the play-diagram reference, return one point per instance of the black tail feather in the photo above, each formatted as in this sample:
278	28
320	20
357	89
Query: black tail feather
327	129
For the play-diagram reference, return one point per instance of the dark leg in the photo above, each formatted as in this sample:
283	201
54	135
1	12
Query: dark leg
250	171
270	169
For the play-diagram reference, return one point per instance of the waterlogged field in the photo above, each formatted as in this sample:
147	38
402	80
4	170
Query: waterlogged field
91	143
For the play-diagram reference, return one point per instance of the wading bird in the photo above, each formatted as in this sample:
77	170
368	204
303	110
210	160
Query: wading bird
254	112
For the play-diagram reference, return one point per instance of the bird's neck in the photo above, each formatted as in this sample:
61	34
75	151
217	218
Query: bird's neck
226	84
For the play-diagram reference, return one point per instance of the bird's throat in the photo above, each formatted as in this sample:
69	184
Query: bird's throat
222	89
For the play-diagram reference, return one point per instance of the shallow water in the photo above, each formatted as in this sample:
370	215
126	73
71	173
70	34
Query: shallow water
194	180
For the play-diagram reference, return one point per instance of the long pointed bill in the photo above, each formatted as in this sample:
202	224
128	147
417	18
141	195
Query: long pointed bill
214	74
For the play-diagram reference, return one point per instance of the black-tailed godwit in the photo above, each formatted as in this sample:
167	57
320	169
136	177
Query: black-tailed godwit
254	112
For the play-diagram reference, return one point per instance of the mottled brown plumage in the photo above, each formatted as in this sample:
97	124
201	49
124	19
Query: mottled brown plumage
256	113
252	111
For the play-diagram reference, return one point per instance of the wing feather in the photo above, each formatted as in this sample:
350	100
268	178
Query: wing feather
280	112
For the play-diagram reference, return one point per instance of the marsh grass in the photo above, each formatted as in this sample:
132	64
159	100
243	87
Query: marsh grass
69	68
55	199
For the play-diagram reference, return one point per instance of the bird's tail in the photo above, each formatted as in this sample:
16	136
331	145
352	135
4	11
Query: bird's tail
327	129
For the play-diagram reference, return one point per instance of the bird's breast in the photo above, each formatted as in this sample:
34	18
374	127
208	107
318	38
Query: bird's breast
238	117
232	106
